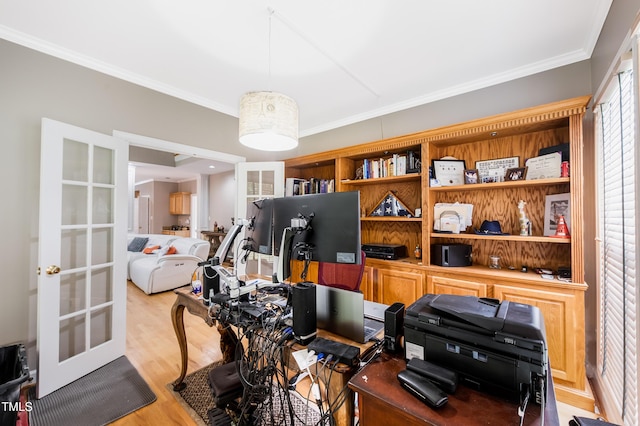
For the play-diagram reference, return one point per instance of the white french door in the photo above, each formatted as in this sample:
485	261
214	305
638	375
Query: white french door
257	181
82	253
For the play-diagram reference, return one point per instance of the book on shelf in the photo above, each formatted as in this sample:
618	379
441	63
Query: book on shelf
394	165
298	186
292	186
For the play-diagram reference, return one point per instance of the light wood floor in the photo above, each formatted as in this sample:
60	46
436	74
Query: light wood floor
152	348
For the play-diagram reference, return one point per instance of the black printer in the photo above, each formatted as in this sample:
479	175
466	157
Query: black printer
498	347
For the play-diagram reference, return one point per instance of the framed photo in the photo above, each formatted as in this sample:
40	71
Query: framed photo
449	172
494	170
554	206
470	176
518	173
546	166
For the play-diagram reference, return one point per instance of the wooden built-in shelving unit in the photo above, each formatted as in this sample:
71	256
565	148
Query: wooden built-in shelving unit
521	133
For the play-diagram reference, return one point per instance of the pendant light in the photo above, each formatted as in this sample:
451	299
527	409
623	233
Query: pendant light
268	121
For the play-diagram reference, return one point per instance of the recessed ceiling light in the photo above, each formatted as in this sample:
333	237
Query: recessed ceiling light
212	167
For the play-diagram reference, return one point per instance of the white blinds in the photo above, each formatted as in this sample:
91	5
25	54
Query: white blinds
617	361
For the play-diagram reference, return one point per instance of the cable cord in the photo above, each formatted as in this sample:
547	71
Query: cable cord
266	398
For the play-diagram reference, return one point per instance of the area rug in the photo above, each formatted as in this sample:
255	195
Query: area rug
196	399
99	398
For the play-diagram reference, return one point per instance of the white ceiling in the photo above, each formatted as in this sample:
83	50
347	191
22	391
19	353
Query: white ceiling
186	169
342	61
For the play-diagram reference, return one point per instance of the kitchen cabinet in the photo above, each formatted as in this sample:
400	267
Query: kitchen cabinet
180	203
180	233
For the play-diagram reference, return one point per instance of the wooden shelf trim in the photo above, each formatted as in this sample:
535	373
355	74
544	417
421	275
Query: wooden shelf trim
521	121
501	185
507	274
387	179
519	238
390	219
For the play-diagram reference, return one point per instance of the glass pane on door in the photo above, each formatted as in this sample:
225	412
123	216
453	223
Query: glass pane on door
73	249
72	293
101	246
268	187
72	337
74	205
103	205
75	161
101	291
103	160
101	320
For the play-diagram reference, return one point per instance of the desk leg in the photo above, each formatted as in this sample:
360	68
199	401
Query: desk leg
228	343
177	317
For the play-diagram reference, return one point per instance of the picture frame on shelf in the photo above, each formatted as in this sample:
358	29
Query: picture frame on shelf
546	166
470	176
554	206
449	172
517	173
494	170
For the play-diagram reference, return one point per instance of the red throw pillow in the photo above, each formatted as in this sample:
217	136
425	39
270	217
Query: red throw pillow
149	250
172	250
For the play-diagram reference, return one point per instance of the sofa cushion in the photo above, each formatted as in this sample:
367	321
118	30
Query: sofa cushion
137	244
192	246
166	250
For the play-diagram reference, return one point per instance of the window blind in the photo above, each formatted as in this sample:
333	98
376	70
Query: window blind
617	361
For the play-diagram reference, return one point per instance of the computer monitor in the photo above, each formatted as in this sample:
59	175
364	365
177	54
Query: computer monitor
259	232
326	226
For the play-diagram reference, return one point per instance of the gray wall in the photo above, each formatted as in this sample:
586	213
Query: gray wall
222	200
34	85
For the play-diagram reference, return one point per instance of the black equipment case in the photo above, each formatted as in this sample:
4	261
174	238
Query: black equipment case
498	347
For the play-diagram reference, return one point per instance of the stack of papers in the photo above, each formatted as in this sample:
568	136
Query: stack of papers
452	217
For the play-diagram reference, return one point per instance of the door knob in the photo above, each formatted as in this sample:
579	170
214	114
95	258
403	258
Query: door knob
52	269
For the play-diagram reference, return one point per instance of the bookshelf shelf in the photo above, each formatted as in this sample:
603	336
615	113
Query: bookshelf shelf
389	179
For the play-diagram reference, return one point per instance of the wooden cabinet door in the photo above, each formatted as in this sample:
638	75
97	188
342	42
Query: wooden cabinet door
173	203
394	285
180	203
447	285
563	314
366	285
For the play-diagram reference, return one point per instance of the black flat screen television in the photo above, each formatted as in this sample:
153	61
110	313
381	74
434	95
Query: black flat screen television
259	232
333	234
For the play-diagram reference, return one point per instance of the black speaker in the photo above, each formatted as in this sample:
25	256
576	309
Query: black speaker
211	280
303	301
393	327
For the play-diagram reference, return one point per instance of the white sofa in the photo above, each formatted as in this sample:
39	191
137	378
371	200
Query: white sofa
158	271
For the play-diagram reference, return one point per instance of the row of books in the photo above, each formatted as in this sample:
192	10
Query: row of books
297	186
396	165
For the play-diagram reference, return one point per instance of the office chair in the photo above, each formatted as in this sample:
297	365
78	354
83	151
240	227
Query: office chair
346	276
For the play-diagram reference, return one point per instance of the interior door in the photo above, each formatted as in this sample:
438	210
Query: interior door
82	253
143	214
256	181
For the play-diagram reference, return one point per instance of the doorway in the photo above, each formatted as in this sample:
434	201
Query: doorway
142	214
191	158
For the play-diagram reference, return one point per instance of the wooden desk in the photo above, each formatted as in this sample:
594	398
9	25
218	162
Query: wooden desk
186	299
382	401
338	385
338	381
